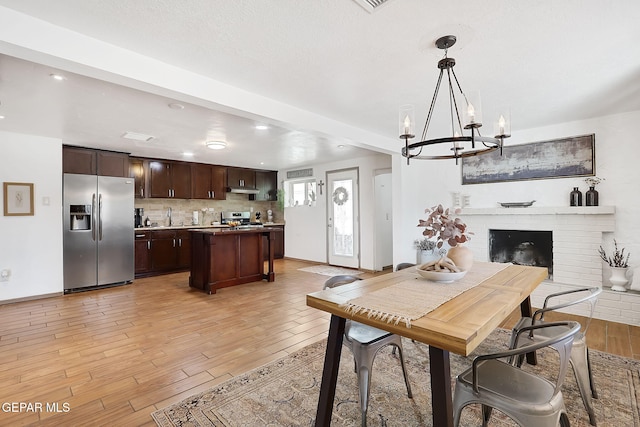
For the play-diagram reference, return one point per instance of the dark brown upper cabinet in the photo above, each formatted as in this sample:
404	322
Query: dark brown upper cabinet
88	161
169	179
208	181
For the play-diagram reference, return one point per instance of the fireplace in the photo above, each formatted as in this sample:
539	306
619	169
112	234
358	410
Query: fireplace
522	247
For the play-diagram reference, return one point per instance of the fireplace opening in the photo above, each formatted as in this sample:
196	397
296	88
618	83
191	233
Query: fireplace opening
534	248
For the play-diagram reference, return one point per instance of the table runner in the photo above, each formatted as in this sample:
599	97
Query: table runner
416	296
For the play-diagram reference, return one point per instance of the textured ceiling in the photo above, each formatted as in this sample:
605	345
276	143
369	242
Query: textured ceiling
548	61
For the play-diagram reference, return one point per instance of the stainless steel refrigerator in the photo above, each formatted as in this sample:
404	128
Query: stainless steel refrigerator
98	231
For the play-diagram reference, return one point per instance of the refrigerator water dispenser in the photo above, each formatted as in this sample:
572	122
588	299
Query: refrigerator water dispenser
80	217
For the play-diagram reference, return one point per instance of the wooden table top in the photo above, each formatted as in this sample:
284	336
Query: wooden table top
458	325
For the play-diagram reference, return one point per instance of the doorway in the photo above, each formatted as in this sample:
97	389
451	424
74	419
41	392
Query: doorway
343	226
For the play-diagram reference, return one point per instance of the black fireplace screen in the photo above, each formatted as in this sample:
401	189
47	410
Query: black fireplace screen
520	247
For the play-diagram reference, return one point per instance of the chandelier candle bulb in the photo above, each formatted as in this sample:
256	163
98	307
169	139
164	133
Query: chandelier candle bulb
502	127
407	114
472	113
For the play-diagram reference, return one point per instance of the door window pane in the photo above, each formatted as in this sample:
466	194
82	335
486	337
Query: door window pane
343	217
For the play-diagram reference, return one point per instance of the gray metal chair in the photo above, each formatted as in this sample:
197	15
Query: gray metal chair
364	342
580	352
404	265
528	399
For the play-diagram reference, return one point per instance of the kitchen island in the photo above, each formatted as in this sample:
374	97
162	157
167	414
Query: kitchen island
227	257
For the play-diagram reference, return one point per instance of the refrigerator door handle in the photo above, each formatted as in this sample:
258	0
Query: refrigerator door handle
93	216
100	216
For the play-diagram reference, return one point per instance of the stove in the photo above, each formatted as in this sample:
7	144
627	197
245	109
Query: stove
243	220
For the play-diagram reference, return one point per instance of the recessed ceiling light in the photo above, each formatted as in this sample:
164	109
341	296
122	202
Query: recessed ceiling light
137	136
1	117
262	127
341	146
58	77
216	145
187	154
176	106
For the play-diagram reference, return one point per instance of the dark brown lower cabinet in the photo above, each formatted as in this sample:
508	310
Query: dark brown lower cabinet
142	249
162	251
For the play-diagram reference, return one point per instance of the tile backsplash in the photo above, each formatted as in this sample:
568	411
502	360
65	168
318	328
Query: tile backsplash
182	209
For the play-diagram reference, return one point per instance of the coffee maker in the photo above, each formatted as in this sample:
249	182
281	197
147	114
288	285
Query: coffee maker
138	214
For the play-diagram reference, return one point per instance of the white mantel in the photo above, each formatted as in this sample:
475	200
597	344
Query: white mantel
545	210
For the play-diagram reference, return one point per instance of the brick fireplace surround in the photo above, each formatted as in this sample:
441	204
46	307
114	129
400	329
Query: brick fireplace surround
577	234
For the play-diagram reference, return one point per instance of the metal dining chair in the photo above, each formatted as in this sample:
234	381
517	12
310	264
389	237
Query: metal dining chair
580	352
404	265
528	399
364	342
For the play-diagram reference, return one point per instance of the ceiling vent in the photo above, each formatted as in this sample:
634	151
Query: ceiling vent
371	5
137	136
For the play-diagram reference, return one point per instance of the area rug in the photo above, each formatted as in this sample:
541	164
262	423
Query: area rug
329	270
285	392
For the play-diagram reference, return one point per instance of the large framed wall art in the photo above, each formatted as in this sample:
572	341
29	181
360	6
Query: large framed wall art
558	158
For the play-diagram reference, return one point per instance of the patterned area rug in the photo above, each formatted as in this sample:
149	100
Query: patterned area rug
285	392
329	270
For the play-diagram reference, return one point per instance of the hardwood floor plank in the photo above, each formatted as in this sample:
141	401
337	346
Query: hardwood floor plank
117	354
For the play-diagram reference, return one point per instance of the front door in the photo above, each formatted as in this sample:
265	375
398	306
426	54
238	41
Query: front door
343	218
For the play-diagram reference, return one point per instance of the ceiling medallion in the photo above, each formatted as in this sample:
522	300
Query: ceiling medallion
460	145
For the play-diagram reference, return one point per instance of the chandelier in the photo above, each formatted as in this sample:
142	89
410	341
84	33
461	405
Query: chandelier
460	145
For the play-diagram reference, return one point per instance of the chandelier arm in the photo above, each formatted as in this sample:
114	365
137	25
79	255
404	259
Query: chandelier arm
453	104
454	99
433	103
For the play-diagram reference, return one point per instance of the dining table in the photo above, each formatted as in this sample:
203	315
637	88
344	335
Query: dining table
448	317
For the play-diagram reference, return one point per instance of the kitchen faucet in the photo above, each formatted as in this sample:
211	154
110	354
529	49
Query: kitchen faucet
169	216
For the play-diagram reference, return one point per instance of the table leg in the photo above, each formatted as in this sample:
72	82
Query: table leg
330	371
441	399
526	311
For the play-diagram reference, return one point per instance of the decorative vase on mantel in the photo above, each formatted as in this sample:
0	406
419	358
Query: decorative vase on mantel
575	197
618	279
591	197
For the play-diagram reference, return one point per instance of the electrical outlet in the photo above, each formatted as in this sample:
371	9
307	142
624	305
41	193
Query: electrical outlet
5	275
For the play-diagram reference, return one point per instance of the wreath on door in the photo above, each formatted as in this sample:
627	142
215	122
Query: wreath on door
340	196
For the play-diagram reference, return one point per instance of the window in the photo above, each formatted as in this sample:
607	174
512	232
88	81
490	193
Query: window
300	193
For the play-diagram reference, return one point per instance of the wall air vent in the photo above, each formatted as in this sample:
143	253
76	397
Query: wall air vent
137	136
300	173
371	5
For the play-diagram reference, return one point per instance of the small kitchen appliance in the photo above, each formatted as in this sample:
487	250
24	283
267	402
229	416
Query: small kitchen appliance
138	214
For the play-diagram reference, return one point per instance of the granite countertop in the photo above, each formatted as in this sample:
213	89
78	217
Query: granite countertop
195	227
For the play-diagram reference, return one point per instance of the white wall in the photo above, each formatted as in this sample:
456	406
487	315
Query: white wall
306	227
32	245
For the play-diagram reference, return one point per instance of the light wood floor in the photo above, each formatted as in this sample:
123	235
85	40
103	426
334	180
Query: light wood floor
116	355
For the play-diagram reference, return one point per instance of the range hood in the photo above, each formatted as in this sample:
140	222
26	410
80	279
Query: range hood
243	190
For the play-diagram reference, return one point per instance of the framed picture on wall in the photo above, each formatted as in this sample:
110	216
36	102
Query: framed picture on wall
18	199
558	158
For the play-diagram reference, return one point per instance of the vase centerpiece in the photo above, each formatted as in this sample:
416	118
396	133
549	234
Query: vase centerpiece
442	227
619	264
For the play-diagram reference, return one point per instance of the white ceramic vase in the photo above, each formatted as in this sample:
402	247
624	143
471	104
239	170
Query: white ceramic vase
618	279
426	256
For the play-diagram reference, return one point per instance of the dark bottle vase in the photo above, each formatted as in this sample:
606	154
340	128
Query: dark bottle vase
591	197
575	197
